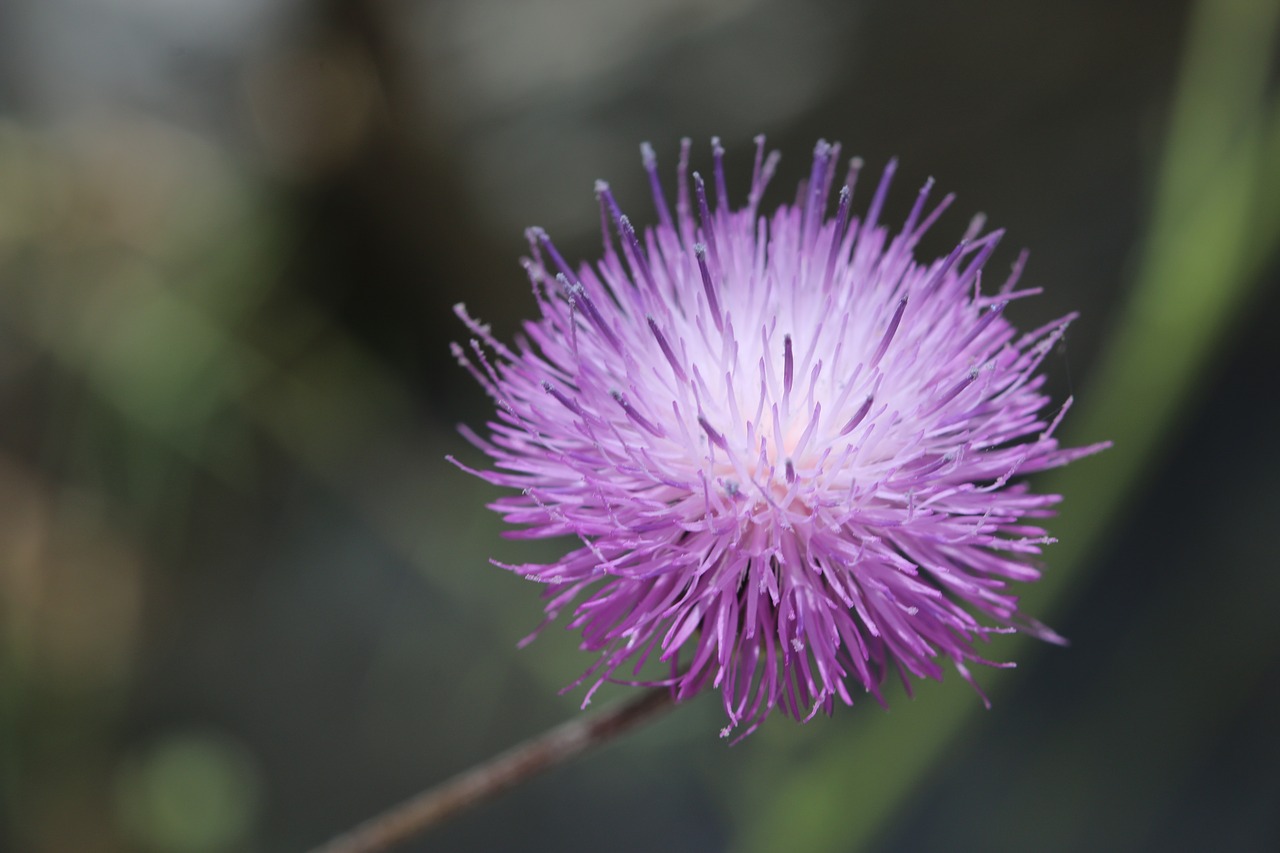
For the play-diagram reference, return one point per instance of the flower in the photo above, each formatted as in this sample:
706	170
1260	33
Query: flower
790	452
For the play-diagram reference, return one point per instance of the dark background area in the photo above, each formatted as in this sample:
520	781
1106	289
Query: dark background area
244	601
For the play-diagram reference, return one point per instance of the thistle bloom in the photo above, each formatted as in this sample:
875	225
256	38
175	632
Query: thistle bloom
790	451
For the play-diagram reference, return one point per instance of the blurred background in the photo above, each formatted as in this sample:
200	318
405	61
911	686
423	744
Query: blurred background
244	601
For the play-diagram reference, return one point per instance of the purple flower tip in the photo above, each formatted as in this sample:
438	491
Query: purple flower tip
789	449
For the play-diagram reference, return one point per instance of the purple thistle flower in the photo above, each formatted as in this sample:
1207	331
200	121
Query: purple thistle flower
787	448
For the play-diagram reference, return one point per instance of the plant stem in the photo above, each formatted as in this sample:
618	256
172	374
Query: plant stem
484	781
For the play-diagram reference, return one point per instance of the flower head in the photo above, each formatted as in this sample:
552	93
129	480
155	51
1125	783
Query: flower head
790	452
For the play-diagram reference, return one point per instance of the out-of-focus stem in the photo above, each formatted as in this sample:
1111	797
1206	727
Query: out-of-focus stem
485	781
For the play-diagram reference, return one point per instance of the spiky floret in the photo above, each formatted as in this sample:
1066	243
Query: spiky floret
790	451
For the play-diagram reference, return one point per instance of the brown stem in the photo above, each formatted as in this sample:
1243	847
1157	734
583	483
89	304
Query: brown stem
471	787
